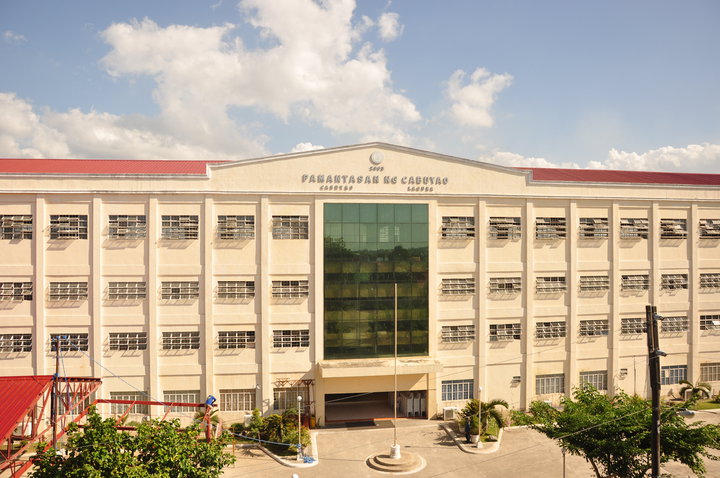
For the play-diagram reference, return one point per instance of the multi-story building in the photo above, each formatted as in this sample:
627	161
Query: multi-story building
260	280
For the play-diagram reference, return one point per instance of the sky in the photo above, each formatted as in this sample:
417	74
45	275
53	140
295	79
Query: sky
611	84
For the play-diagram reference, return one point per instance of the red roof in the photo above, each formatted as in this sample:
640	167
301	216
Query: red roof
18	395
104	166
632	177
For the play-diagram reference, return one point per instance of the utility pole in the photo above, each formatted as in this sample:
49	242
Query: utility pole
654	354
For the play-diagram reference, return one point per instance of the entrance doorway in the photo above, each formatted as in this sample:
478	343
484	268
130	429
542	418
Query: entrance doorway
348	407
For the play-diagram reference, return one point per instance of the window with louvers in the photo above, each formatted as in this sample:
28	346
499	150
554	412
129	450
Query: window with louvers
15	227
633	228
597	379
709	229
180	290
290	288
127	290
180	227
673	281
550	330
128	341
237	400
635	282
236	227
458	333
710	322
674	324
458	227
290	227
550	228
15	342
68	226
127	227
550	383
236	339
633	326
236	289
504	228
291	338
461	286
710	281
673	228
594	228
69	342
505	284
505	332
593	328
594	283
16	291
68	291
181	340
546	285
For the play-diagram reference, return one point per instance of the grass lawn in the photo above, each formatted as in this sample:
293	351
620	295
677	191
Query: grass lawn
705	405
492	429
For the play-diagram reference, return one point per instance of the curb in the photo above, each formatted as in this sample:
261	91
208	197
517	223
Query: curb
289	463
485	450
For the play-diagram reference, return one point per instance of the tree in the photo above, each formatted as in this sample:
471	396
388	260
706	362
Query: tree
488	412
157	449
697	391
613	433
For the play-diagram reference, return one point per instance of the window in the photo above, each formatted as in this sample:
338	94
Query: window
291	338
182	396
458	333
673	228
126	290
16	291
458	227
550	228
710	281
594	228
179	227
505	228
290	227
597	379
128	340
127	227
633	326
284	398
710	372
119	408
672	374
290	288
673	281
180	340
710	322
546	285
68	227
505	284
594	283
709	228
504	332
15	342
68	291
237	400
633	228
180	290
551	383
69	342
457	390
464	286
550	330
236	339
593	328
16	226
674	324
236	289
635	282
236	227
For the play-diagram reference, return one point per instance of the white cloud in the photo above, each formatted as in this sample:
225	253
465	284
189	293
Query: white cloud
303	147
472	101
514	160
698	158
389	26
11	36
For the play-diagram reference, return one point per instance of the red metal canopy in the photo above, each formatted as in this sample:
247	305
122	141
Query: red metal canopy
18	396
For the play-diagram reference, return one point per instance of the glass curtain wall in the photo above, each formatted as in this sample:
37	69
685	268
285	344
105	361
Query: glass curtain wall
369	248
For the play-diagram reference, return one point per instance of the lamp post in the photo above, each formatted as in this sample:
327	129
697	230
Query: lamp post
299	450
479	443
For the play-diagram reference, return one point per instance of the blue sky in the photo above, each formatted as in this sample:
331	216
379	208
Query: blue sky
611	84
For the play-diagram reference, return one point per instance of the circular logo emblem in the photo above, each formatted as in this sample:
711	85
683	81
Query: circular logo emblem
377	157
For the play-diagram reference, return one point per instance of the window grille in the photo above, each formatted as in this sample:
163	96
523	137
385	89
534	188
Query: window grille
127	227
710	281
505	284
180	227
544	285
505	228
597	379
128	341
237	400
551	383
672	374
709	229
182	396
458	333
16	291
285	398
633	228
181	340
15	342
458	227
593	328
673	281
453	390
236	227
505	332
550	228
16	226
594	283
674	324
68	291
550	330
180	290
291	338
236	289
68	227
594	228
633	326
290	288
119	408
126	290
236	339
290	227
460	286
673	228
710	322
69	342
710	372
635	282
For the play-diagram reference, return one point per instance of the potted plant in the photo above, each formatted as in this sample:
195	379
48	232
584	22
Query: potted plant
474	429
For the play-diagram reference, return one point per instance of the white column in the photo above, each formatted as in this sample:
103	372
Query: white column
39	332
528	323
96	292
263	293
208	333
154	222
571	373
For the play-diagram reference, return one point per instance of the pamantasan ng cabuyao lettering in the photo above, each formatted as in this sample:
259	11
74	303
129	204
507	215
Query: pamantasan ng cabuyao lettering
373	179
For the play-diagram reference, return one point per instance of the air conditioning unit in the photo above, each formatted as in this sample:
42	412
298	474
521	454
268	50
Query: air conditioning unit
247	419
449	413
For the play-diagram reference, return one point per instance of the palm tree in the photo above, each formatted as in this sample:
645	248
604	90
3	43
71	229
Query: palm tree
699	390
488	412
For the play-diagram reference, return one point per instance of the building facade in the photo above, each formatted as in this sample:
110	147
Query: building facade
260	280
